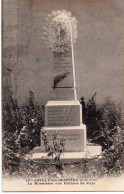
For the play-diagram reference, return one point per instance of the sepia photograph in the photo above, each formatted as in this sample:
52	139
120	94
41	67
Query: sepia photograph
62	95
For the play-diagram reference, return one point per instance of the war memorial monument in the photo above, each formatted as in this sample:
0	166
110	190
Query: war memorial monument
63	113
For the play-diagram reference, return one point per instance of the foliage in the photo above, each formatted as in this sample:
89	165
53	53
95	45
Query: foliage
11	156
55	149
21	132
105	126
91	117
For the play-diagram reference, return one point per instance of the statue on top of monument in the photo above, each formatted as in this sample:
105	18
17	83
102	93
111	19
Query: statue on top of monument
60	31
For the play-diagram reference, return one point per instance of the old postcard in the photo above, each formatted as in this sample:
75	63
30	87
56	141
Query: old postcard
63	95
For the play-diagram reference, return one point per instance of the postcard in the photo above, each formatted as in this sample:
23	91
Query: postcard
63	95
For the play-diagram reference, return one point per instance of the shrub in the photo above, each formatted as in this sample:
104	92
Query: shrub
21	132
105	126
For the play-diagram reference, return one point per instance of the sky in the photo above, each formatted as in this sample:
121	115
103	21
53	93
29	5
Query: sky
98	52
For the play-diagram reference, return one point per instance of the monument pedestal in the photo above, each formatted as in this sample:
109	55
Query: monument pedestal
75	137
63	113
64	118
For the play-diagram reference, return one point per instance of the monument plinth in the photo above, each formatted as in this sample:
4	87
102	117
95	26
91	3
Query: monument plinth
63	113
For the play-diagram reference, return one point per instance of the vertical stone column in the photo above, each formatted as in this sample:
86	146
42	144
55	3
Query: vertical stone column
63	83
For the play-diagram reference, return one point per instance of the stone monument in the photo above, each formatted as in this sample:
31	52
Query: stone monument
63	114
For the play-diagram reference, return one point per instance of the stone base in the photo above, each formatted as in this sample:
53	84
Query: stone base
63	113
75	137
91	152
77	163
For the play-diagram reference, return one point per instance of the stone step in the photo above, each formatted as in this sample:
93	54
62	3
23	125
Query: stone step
92	152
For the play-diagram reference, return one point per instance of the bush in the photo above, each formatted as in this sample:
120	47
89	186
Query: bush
21	132
105	126
22	125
